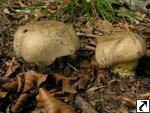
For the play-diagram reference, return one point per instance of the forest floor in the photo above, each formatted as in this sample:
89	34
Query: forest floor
77	80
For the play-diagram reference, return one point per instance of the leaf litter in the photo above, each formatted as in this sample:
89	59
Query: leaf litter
72	84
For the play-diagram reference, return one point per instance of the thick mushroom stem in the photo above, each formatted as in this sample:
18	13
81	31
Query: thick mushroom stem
125	69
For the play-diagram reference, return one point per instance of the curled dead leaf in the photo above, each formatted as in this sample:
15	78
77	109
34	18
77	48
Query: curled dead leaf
20	82
3	94
129	101
52	105
10	86
104	26
94	63
66	87
63	4
82	81
12	66
22	98
33	79
145	95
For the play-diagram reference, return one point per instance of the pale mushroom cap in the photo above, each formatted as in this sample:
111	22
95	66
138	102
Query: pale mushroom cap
41	42
119	47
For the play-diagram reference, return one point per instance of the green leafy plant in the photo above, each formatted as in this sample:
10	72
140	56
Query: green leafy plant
77	8
103	8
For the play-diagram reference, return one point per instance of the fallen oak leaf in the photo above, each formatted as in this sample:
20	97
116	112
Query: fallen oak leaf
82	81
33	79
20	3
21	100
25	81
52	105
2	94
126	26
20	81
10	85
29	81
129	101
66	87
63	4
94	63
38	111
12	66
104	26
145	95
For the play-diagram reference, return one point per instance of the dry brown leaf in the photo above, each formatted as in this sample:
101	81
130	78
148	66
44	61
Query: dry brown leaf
38	14
12	66
63	4
20	82
20	3
51	104
3	94
104	26
38	111
22	98
101	76
82	81
129	101
51	10
126	26
10	85
66	87
33	79
94	63
145	95
29	81
60	5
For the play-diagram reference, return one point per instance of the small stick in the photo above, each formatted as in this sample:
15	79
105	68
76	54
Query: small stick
145	95
129	101
88	35
86	107
88	48
73	67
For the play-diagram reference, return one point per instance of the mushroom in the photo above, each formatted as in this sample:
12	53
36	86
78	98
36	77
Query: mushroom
41	42
121	51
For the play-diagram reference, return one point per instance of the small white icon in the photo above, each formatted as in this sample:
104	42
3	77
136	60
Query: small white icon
143	106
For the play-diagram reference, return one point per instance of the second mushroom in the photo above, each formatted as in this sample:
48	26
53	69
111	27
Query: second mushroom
121	51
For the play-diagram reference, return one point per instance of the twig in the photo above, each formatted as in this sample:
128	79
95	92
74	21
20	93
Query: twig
145	95
73	67
86	107
88	35
129	101
95	14
88	48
